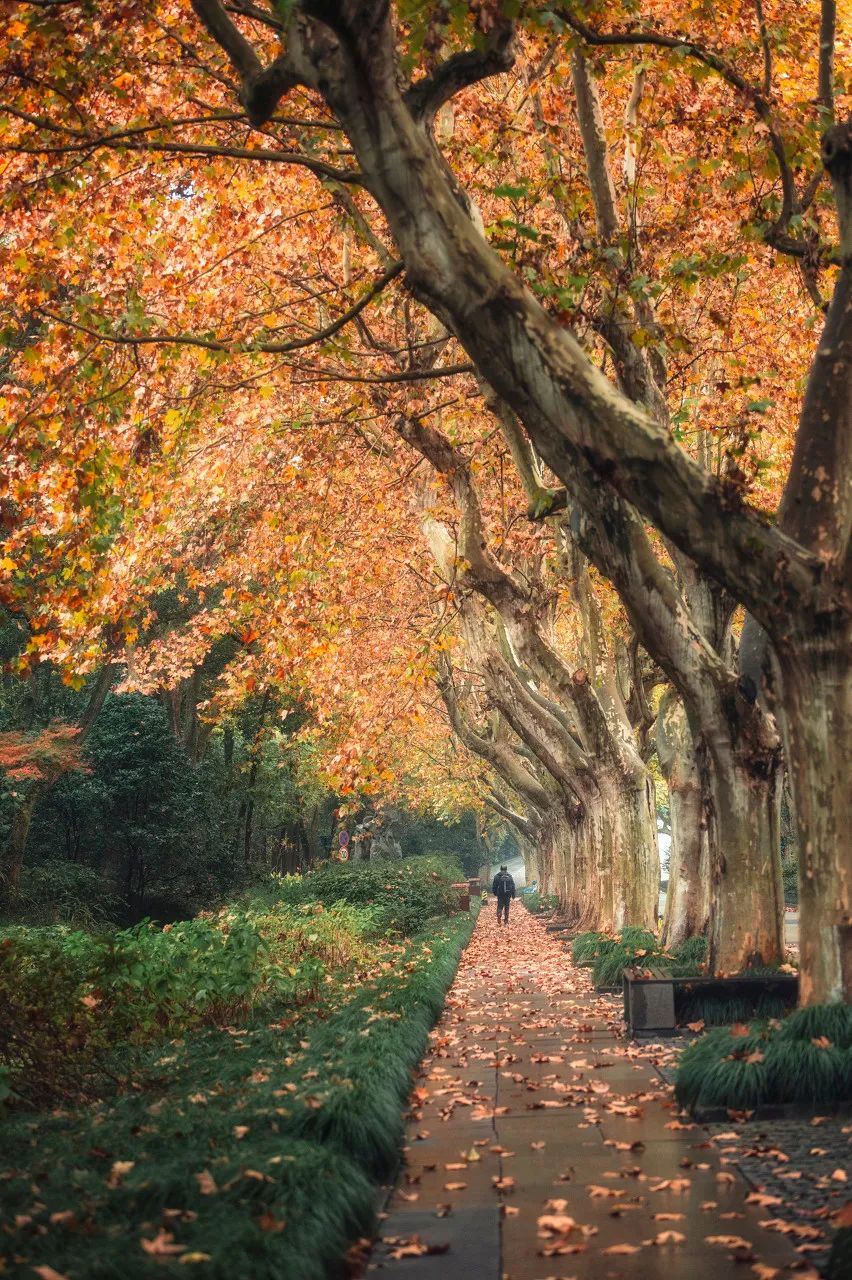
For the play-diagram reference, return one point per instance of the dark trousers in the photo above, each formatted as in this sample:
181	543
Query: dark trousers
503	906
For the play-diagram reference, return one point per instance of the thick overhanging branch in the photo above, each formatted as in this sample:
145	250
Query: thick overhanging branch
545	735
496	753
262	87
526	827
566	404
497	55
776	235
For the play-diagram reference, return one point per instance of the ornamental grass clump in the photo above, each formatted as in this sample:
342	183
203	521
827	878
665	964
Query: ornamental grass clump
796	1061
586	946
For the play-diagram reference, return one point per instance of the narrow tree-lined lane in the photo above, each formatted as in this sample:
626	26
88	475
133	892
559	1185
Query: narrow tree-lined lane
544	1144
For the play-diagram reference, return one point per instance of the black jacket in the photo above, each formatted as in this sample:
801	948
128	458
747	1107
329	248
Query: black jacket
504	885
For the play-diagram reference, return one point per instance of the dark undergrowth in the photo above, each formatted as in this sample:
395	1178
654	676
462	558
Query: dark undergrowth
249	1150
805	1059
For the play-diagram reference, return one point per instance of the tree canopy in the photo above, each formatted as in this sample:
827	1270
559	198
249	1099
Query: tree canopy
470	365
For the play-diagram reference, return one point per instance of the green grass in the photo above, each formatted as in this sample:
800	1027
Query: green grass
806	1059
294	1122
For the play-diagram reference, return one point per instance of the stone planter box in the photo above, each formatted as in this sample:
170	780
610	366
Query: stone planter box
649	994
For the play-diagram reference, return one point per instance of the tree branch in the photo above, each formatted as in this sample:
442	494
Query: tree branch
236	348
827	28
427	96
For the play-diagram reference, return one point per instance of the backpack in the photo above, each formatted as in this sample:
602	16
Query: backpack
505	884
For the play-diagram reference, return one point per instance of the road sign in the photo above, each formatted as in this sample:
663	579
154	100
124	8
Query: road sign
344	854
343	839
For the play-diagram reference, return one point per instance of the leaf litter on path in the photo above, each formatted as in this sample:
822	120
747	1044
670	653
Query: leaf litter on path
523	1034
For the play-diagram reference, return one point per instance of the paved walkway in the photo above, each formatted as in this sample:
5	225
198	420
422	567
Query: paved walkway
545	1145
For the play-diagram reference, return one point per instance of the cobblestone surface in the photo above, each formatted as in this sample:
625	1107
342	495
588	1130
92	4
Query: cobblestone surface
801	1162
807	1164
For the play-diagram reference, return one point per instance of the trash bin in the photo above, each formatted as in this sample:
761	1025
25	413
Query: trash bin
464	896
474	886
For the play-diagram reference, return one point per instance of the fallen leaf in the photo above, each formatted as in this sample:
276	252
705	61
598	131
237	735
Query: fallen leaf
118	1171
206	1183
759	1197
414	1247
669	1237
729	1242
556	1224
163	1245
268	1222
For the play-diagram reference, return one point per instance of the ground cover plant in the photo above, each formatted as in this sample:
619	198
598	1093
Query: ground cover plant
249	1146
402	893
804	1059
540	903
608	955
71	998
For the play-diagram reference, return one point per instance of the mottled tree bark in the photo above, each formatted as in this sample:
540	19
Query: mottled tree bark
687	908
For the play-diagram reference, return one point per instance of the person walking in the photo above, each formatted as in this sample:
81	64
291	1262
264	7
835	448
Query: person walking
504	888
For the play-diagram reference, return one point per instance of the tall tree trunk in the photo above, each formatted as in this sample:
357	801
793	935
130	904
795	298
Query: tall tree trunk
12	856
747	895
13	853
817	724
687	906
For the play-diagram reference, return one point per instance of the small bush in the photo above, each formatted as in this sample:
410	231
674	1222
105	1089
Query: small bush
539	903
585	947
69	998
692	952
61	892
289	1123
834	1021
405	895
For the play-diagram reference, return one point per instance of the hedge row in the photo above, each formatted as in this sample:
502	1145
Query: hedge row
249	1150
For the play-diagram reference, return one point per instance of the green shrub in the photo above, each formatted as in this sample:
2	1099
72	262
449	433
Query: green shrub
61	892
317	1107
540	902
693	951
71	997
585	947
794	1061
404	894
834	1021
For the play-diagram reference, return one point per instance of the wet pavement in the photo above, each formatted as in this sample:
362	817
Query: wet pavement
543	1145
